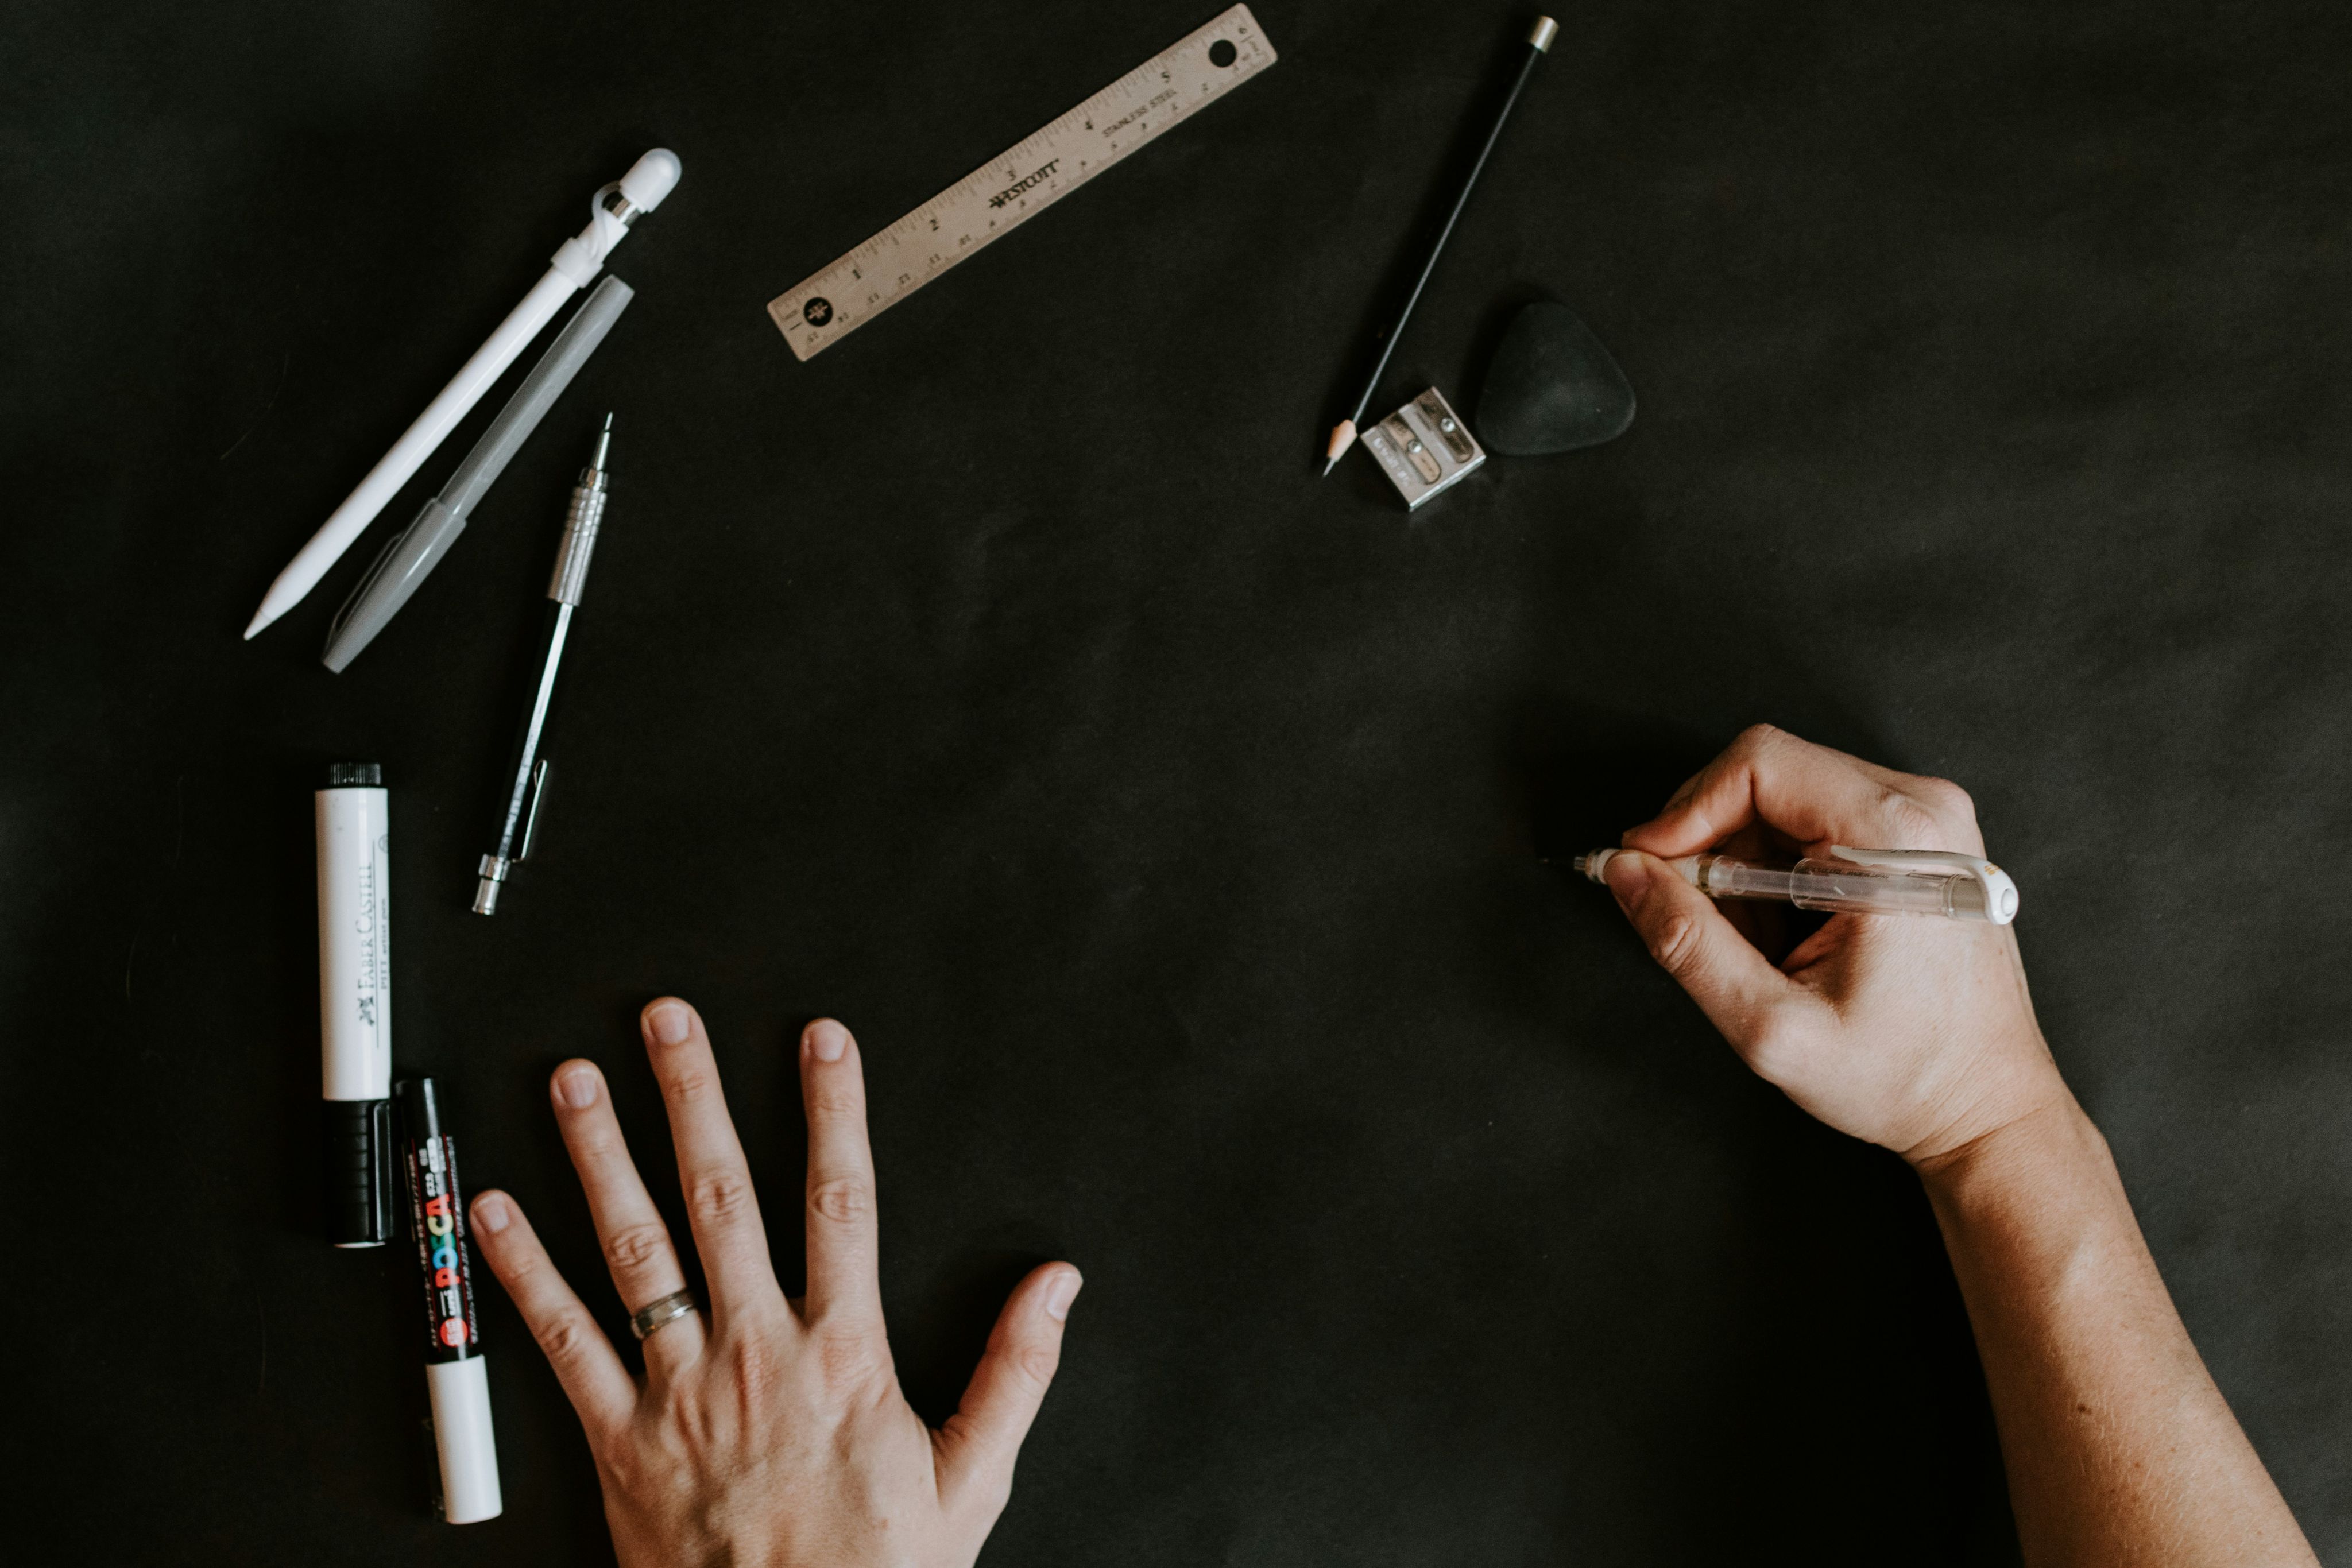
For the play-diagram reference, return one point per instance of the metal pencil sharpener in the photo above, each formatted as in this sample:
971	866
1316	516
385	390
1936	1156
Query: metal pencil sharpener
1425	447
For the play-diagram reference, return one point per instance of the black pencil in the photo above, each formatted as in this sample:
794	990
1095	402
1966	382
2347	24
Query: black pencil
1343	434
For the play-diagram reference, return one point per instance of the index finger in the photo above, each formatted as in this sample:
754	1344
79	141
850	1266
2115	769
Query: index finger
1813	794
716	1181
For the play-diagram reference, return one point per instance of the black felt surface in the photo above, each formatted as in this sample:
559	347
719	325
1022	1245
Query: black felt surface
1005	682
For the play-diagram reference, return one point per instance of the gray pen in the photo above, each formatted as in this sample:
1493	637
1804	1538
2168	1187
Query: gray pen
417	549
527	787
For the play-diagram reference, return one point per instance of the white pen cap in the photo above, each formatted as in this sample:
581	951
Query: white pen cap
353	825
651	178
460	1391
616	207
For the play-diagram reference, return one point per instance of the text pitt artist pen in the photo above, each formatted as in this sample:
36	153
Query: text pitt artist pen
352	815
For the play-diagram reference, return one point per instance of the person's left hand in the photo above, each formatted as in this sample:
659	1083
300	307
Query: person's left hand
773	1431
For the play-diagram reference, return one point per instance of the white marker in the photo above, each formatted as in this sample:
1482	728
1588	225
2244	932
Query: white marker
355	1002
612	211
1855	882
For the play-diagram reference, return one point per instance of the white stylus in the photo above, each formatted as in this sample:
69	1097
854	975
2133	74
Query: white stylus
612	210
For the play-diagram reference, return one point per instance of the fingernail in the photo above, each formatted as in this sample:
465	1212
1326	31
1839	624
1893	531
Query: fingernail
826	1040
669	1022
491	1213
1061	1293
1629	878
578	1087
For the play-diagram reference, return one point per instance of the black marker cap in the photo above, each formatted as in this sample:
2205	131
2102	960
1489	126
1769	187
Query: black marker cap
358	1172
420	1111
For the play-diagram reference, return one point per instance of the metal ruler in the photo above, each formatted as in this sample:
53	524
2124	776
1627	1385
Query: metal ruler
1007	191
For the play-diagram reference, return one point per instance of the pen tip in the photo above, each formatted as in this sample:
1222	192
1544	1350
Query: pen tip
261	617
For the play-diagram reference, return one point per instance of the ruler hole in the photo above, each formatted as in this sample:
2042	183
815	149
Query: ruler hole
1222	53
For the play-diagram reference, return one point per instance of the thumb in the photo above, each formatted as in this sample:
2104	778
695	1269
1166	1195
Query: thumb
981	1440
1735	986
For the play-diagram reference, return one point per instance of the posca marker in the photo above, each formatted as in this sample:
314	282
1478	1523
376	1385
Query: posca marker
456	1377
353	824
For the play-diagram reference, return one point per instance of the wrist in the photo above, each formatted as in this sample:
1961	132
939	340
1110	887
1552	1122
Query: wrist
2040	1144
2033	1215
1998	1098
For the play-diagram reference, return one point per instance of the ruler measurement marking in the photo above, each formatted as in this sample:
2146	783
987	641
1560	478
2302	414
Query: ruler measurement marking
1020	183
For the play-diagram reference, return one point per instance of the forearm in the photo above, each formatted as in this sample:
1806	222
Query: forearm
2119	1447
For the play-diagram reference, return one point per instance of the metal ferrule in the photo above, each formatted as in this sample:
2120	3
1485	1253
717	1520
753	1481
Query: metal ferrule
571	577
486	892
624	211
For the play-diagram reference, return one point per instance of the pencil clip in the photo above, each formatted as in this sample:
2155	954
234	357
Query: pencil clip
2000	890
530	819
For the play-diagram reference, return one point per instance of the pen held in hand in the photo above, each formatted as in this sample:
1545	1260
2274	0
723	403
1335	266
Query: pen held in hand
1850	881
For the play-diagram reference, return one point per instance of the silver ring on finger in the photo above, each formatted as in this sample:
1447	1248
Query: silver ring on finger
655	1316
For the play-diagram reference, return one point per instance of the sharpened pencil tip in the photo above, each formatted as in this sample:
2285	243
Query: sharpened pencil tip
1343	436
1329	464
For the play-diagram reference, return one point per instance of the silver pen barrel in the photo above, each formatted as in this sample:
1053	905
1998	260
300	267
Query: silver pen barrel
570	578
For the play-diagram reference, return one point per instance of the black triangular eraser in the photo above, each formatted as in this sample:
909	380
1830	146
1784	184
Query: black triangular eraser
1552	387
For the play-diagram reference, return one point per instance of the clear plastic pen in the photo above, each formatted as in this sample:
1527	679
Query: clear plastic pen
1852	881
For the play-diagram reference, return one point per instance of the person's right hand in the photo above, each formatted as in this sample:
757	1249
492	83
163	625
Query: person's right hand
1912	1033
